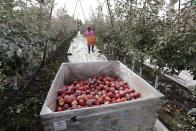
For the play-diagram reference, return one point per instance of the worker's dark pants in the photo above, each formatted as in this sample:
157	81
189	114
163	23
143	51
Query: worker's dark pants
89	48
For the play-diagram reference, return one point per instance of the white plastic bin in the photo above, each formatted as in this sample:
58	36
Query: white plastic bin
134	115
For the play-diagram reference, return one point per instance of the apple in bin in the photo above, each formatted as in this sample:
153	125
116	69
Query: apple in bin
61	102
65	107
74	102
60	91
94	91
82	102
58	109
67	99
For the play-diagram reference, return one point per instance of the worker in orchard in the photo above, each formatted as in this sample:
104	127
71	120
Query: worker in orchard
90	39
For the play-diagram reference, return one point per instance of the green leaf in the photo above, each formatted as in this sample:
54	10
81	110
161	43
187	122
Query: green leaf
10	54
19	53
5	46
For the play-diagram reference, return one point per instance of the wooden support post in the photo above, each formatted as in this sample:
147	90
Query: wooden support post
111	20
156	81
15	82
141	71
133	67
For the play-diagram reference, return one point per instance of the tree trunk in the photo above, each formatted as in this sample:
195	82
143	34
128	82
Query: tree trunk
108	4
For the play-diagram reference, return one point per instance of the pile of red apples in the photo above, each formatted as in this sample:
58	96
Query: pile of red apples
94	91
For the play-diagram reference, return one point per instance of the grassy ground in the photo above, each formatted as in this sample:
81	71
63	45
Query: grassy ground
20	111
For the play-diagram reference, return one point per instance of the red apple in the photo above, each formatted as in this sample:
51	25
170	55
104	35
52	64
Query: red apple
121	83
103	96
107	89
104	79
75	82
60	97
101	100
81	88
118	100
78	85
58	109
68	100
74	102
131	90
83	92
92	86
113	99
127	91
110	94
85	83
124	83
125	87
92	93
60	91
127	96
133	98
65	87
65	107
123	99
89	102
85	97
98	88
70	88
63	95
81	102
88	91
94	101
136	94
72	97
75	107
116	92
108	83
113	85
78	92
122	93
79	98
112	89
90	96
61	102
69	92
108	99
104	92
96	97
117	87
117	96
87	87
121	88
99	93
96	91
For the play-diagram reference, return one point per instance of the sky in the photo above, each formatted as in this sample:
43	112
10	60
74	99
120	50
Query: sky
86	4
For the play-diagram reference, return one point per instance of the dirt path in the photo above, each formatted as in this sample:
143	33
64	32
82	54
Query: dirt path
78	51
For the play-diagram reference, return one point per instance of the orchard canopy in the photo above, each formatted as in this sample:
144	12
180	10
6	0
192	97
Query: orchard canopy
161	31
